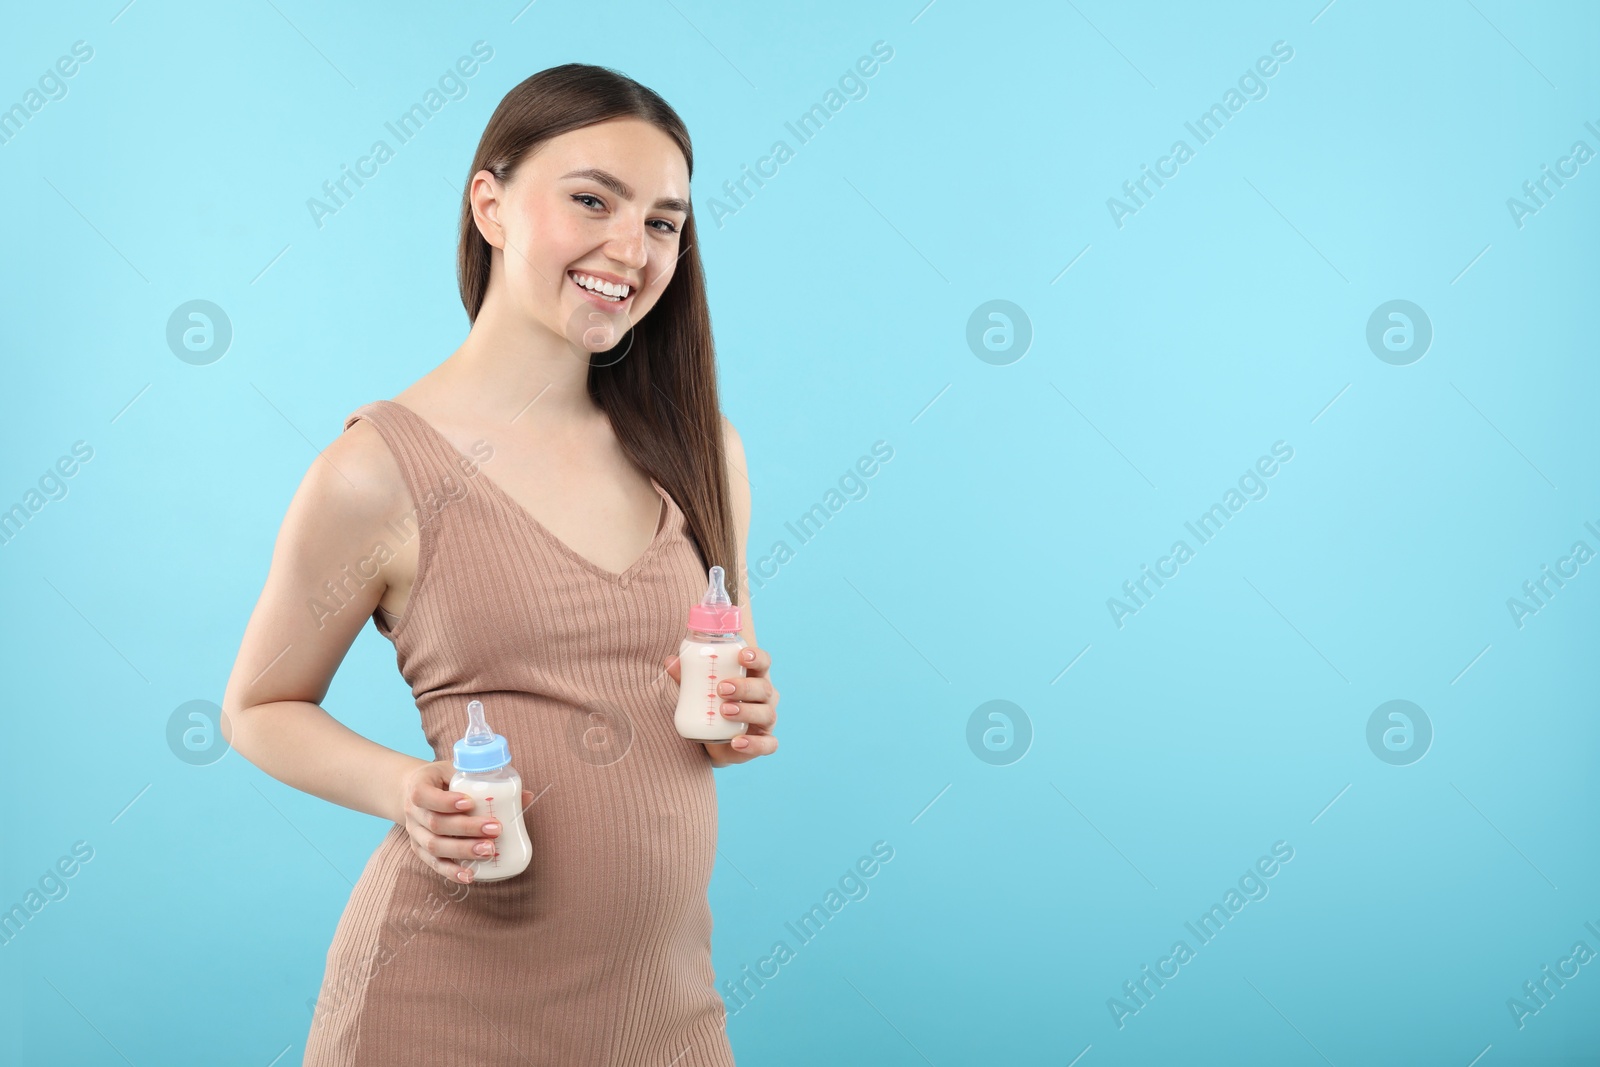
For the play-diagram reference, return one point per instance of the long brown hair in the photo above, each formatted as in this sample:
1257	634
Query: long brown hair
661	397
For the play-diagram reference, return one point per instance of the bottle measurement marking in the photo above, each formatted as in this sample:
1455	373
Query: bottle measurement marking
494	842
711	690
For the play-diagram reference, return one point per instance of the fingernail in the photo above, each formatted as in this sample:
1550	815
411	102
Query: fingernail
741	742
491	827
747	654
483	848
730	709
725	688
463	876
464	803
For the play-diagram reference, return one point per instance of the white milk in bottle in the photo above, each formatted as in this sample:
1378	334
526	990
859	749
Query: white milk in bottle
708	657
483	771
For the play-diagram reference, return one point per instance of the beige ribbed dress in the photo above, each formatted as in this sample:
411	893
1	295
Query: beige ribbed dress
600	952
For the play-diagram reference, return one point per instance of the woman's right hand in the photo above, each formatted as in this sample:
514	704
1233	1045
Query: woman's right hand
443	828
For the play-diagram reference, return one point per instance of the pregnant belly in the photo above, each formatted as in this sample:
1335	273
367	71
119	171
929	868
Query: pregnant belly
622	852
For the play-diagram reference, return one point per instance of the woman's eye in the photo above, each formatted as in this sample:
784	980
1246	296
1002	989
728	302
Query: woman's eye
584	199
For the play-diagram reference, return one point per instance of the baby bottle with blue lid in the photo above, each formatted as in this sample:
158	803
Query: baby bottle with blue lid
482	760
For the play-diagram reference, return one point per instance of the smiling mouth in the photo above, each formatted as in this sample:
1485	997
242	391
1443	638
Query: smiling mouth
596	294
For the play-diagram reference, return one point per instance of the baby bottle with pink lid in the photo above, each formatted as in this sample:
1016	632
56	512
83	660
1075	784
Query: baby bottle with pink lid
709	656
482	760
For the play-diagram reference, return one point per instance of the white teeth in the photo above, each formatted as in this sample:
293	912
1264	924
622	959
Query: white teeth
610	290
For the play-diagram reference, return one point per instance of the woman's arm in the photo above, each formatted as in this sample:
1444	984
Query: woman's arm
739	499
755	695
299	633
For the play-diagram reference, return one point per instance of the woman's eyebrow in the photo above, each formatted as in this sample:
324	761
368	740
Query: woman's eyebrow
623	189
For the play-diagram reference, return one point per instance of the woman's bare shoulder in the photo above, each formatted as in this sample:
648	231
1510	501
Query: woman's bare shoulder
349	490
348	493
356	477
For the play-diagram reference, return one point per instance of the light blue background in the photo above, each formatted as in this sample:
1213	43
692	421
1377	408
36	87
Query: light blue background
1228	314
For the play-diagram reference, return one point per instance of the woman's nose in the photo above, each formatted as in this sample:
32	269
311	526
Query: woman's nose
626	245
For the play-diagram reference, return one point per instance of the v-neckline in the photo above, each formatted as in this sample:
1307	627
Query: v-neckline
663	519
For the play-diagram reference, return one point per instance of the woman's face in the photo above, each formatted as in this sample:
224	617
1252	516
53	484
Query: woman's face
607	202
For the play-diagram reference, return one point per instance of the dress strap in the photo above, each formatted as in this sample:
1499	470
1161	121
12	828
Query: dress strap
435	472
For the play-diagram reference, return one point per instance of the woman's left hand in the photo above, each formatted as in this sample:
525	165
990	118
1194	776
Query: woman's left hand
752	700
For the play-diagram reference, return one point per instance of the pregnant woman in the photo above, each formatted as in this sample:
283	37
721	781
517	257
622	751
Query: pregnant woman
528	524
